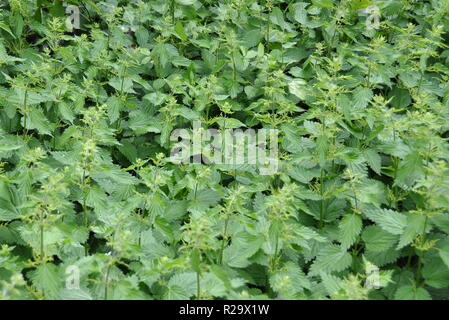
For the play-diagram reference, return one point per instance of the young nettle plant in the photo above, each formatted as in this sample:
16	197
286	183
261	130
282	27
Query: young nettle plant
199	242
233	204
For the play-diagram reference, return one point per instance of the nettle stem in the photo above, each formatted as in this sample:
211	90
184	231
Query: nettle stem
196	190
42	235
419	275
268	29
234	66
225	239
198	286
25	112
368	76
322	198
85	220
355	197
275	256
396	167
172	11
108	272
106	286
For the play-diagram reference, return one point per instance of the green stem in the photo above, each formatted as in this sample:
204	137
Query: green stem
225	238
108	271
274	258
198	287
419	275
233	66
322	199
42	238
25	102
420	82
172	11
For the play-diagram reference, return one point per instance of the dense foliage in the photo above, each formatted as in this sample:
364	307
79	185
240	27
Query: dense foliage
358	208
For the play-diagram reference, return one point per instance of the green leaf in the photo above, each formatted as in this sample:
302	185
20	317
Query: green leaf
195	260
389	220
252	38
298	87
186	2
436	273
8	211
349	227
75	294
300	12
323	3
374	160
7	29
179	28
410	292
181	286
331	258
322	148
444	254
244	246
377	239
410	170
415	225
46	279
361	97
90	3
36	119
290	280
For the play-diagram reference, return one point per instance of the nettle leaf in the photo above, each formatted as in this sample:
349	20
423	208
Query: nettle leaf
114	175
300	12
322	148
361	97
374	160
186	2
298	87
252	38
441	221
289	280
181	286
115	105
436	273
36	119
46	279
412	293
378	240
277	18
444	254
187	113
331	258
401	98
415	225
66	111
349	227
123	84
75	294
373	192
8	211
244	247
389	220
323	3
410	170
